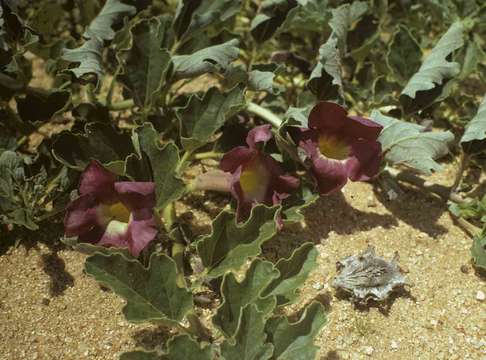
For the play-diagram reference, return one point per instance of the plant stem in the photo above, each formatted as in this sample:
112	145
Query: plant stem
178	248
208	155
109	95
463	164
187	155
443	192
197	327
265	114
122	105
90	93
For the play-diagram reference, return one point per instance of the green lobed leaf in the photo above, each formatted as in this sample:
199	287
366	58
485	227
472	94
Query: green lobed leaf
147	62
211	59
164	161
42	106
325	80
474	137
308	15
478	250
99	141
193	17
202	117
249	342
237	296
261	80
46	18
151	293
11	172
343	18
408	144
88	60
180	347
426	85
111	13
474	56
230	244
295	341
293	272
141	355
404	54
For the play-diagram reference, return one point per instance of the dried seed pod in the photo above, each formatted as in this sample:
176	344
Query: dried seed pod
367	276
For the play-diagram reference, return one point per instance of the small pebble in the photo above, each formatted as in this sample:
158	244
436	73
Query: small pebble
317	286
480	296
394	345
465	269
368	350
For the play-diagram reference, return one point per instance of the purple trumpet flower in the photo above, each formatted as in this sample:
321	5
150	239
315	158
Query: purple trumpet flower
340	147
256	177
110	212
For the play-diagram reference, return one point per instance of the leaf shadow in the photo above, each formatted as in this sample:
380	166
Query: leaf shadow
55	268
383	307
52	265
331	355
414	208
328	213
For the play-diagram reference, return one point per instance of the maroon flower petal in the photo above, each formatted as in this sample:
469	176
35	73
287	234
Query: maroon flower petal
285	184
93	236
261	133
116	234
331	175
136	195
80	215
95	179
234	158
366	160
142	232
361	128
327	117
243	204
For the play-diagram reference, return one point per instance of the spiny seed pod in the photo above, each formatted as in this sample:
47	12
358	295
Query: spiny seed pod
367	276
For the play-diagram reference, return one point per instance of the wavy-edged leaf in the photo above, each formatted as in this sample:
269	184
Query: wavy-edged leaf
151	293
112	12
271	15
193	17
408	144
293	272
41	106
309	15
180	347
295	341
249	342
230	244
88	60
478	250
211	59
202	117
426	85
404	54
164	161
343	18
99	141
326	82
237	295
474	138
147	62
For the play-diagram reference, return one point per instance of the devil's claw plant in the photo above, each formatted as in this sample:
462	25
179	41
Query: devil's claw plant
280	101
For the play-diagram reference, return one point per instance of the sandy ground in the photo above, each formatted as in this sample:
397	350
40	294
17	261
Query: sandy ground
49	309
